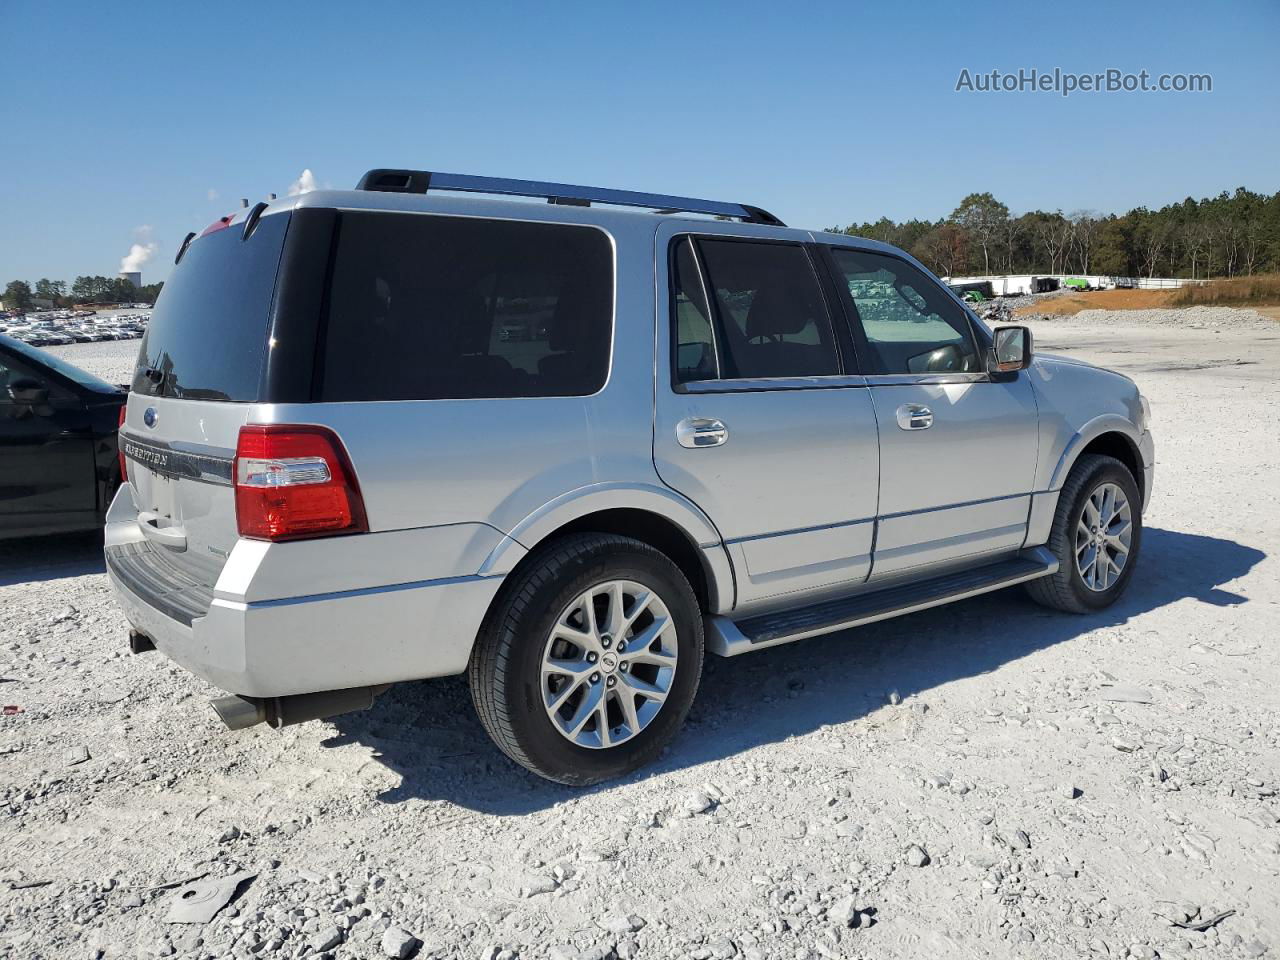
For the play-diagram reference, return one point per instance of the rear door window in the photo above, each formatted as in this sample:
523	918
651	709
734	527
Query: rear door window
694	329
426	307
207	339
768	317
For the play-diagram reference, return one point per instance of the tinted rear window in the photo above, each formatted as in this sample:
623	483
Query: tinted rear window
773	319
425	307
208	334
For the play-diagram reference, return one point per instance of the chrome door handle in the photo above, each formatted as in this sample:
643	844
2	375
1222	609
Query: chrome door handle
701	432
915	416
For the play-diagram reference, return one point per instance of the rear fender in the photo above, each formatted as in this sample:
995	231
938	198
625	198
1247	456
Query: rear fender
546	520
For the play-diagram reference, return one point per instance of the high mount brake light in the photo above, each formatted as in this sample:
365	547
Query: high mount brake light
220	224
294	482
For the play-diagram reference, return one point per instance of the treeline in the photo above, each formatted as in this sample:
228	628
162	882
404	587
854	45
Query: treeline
1230	235
20	295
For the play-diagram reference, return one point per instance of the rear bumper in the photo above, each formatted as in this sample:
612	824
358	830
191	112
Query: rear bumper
326	640
308	644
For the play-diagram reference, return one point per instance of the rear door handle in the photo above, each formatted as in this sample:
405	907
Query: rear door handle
697	432
915	416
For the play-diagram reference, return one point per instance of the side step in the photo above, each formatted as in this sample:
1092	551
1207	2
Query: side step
728	638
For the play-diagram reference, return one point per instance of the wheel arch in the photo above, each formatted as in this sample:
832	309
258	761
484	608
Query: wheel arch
1110	435
659	517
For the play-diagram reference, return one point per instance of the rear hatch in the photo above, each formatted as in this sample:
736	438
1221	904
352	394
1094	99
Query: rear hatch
200	367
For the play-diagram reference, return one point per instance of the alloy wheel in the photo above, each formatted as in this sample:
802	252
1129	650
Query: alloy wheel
1104	534
608	664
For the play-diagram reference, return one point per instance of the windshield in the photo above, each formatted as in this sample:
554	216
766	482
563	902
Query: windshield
207	338
58	365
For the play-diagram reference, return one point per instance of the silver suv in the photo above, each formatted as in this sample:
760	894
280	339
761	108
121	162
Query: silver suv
569	447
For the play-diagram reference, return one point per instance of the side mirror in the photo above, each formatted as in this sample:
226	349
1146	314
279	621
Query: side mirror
1011	351
28	392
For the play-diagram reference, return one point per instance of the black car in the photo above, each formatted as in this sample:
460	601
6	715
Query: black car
59	465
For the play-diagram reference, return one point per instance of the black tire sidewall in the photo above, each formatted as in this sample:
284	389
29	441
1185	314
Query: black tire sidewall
1107	471
549	752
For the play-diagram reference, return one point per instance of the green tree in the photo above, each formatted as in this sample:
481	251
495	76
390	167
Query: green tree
1114	253
100	289
51	289
1234	233
983	217
17	295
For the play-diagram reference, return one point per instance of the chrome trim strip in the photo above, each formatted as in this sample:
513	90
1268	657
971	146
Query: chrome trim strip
916	379
744	384
180	461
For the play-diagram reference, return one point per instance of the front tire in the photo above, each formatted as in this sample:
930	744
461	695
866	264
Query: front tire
1096	537
586	666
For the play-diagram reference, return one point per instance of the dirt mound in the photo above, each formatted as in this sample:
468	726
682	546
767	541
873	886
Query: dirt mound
1069	304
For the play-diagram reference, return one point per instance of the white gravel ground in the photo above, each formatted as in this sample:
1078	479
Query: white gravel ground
112	360
985	780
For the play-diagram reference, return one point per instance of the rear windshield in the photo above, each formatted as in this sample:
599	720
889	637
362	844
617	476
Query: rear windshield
426	307
208	334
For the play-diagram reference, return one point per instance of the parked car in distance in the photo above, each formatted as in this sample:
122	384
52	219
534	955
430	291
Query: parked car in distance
721	434
59	464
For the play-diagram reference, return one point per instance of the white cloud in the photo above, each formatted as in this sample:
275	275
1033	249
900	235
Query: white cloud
212	194
140	252
304	184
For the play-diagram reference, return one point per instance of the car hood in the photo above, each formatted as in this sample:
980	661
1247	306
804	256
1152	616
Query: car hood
1051	360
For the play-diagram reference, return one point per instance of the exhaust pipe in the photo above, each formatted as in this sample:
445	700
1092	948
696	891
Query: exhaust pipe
241	712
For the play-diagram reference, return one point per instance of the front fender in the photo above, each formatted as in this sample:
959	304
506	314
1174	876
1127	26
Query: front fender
1044	502
597	497
1106	423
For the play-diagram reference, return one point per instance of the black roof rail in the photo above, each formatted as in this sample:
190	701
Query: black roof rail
420	181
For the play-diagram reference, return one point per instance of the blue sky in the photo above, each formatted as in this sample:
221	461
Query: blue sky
162	115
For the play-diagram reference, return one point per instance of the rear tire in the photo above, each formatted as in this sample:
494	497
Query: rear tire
1095	540
537	648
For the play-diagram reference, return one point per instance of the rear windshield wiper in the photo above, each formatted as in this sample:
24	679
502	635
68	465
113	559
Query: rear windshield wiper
156	377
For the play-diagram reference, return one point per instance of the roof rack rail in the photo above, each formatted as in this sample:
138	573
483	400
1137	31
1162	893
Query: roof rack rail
420	181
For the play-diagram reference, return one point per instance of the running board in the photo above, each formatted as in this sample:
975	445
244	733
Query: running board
728	638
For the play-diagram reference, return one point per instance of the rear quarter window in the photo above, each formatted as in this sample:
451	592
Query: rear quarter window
426	307
207	339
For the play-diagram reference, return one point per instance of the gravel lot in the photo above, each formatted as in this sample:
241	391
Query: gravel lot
112	360
984	780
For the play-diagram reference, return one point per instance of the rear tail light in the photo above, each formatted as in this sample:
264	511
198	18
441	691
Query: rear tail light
294	482
124	470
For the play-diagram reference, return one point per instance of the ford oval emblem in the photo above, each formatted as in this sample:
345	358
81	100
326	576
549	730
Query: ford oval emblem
149	416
